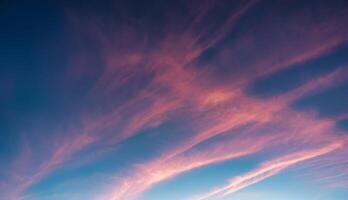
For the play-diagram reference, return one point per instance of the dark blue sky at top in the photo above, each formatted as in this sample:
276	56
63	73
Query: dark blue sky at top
30	64
36	47
35	50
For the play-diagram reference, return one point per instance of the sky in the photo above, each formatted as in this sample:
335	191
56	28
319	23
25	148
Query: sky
174	100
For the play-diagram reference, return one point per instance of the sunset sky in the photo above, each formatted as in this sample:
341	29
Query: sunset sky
174	100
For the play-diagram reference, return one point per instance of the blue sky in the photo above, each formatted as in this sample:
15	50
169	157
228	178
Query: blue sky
173	100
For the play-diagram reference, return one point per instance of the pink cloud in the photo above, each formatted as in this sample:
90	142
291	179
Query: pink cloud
180	87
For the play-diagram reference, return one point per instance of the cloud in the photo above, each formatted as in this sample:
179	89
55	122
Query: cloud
141	78
268	169
287	79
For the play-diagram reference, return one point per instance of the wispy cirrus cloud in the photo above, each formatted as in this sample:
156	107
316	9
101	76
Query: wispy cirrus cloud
198	67
302	129
267	170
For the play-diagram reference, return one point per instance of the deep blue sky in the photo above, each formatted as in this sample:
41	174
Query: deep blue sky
186	99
